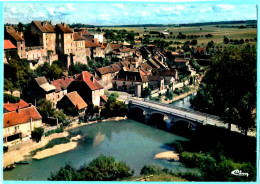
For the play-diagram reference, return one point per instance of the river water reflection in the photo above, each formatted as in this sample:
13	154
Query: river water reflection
126	140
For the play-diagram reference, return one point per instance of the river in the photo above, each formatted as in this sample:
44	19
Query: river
185	102
127	140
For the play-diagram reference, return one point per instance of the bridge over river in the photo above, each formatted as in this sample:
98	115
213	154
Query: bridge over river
176	114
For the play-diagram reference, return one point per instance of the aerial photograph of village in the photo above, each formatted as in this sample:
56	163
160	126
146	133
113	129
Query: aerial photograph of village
129	92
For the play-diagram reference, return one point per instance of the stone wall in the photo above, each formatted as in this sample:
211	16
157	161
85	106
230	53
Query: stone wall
96	96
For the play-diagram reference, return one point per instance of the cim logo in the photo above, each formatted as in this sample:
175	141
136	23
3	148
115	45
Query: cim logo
239	173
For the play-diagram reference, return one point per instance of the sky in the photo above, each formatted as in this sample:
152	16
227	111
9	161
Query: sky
124	14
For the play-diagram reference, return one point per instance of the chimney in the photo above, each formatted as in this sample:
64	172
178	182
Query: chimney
17	110
30	104
92	78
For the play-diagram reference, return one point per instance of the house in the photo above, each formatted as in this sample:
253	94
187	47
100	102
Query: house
64	43
93	49
8	47
17	40
20	123
61	86
180	62
99	37
106	74
40	88
87	87
86	35
72	104
103	100
157	82
128	80
199	51
112	47
8	107
78	49
138	42
170	75
146	68
41	33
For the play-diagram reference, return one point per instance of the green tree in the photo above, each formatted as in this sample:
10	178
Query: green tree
10	98
45	108
146	92
37	134
228	90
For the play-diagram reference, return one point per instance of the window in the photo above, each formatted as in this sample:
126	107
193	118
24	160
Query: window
59	36
124	83
71	36
59	44
58	96
21	47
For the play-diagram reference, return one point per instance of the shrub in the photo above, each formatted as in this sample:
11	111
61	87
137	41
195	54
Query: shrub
37	134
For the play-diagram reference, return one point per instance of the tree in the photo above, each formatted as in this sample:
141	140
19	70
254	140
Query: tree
102	168
226	40
37	134
45	108
10	98
146	92
20	27
228	90
194	42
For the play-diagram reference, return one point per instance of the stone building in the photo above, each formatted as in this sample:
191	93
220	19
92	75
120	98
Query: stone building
78	49
87	87
128	80
17	39
61	86
41	34
86	35
20	123
40	88
64	43
93	49
73	104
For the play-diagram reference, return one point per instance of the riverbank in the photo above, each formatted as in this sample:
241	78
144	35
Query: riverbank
24	153
179	97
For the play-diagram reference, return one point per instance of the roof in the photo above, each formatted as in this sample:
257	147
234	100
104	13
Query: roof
44	26
91	44
106	70
12	32
200	49
77	37
8	45
152	62
85	32
43	83
104	97
116	67
62	84
41	80
76	100
155	78
156	59
13	106
90	80
146	66
22	116
115	46
131	76
180	60
64	28
103	45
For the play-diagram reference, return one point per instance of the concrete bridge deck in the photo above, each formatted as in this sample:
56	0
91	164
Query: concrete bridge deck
194	116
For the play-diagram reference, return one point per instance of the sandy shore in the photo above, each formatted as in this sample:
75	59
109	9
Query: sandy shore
24	153
167	155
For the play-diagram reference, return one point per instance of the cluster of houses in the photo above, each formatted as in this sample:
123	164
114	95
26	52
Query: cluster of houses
136	69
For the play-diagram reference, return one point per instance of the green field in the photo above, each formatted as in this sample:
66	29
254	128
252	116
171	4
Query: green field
217	32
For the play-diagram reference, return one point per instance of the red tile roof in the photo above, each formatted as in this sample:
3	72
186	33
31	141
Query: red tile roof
22	116
41	80
103	45
90	80
85	32
105	70
91	44
104	97
8	45
62	84
76	100
13	106
64	28
44	27
200	49
115	46
77	37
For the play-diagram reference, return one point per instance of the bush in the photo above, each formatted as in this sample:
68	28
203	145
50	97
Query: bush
151	169
177	91
37	134
58	130
10	98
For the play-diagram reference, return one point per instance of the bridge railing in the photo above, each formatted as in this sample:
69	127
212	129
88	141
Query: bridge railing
177	108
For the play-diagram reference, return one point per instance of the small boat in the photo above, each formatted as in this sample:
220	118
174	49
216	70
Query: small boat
9	167
22	162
